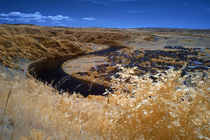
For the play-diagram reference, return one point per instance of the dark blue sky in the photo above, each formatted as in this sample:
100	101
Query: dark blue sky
108	13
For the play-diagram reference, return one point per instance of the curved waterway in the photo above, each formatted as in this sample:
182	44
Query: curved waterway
50	71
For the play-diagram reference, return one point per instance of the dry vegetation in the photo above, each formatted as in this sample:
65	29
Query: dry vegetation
35	42
138	109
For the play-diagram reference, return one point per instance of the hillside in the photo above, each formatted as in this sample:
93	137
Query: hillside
35	42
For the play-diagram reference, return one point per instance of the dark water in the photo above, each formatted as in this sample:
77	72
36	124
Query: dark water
64	82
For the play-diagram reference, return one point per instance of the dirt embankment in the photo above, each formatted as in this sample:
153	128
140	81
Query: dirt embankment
35	42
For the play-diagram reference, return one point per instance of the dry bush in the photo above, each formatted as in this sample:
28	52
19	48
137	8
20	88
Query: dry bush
138	109
163	110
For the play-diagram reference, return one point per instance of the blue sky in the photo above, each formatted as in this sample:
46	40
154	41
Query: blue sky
108	13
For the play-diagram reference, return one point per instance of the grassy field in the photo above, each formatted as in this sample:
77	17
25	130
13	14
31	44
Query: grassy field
138	108
35	42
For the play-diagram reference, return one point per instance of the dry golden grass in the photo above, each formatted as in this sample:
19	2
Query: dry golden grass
35	42
138	109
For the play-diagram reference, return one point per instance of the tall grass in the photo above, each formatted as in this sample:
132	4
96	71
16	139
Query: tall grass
137	109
